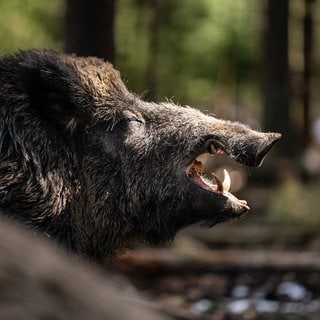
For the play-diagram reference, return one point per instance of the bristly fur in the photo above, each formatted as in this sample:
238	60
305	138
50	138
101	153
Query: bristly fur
89	164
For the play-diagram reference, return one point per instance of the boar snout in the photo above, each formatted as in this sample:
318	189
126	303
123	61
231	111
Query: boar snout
212	195
252	151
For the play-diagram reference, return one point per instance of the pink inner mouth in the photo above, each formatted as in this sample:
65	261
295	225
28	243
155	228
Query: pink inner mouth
195	172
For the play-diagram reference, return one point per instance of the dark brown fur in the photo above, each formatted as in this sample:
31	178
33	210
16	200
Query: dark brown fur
91	165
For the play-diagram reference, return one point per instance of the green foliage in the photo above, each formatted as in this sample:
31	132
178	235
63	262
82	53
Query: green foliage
196	48
295	203
30	23
201	45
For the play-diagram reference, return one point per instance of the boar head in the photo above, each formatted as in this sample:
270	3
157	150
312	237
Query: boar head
97	168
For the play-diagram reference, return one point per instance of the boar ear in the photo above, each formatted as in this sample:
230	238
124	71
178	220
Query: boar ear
50	95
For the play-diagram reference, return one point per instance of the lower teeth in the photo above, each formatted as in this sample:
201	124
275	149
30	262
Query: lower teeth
218	182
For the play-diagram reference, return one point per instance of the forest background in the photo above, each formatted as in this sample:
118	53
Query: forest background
257	62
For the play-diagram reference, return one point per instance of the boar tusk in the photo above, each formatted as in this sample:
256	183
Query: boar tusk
226	184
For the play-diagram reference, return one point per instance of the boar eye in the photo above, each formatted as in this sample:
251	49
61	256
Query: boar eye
133	118
129	117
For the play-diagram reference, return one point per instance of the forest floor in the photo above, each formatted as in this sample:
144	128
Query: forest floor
240	270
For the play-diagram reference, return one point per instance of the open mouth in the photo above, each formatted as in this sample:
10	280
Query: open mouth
211	182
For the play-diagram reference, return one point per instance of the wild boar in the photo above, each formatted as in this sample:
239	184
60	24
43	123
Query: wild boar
94	167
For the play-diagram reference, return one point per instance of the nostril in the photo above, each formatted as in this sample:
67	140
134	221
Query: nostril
251	152
272	139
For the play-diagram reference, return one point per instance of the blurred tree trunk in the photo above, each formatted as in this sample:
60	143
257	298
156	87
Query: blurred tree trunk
90	28
307	74
152	59
276	88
